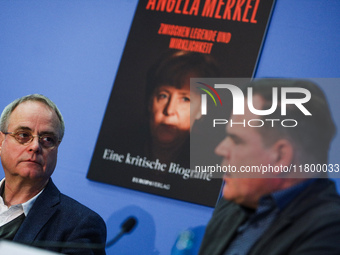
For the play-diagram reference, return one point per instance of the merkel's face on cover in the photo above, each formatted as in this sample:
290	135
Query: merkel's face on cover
170	114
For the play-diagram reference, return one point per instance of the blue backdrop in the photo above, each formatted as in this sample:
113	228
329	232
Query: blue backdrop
69	50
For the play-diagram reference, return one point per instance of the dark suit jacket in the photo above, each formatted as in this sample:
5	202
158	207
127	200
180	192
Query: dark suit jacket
55	217
310	224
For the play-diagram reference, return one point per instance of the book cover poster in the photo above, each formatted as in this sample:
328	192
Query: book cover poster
144	141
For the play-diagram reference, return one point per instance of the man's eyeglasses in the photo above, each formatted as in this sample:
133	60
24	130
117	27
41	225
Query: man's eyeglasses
24	137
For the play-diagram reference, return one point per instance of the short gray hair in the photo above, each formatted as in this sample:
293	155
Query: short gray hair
34	97
314	133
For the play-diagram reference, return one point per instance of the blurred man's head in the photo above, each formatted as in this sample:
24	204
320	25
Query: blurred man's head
250	148
313	134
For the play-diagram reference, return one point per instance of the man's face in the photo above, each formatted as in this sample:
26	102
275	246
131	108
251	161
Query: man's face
30	161
243	146
170	114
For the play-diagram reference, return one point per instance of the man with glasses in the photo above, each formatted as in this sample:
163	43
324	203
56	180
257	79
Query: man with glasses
32	210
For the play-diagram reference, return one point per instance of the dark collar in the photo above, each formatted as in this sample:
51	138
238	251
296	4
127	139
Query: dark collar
283	197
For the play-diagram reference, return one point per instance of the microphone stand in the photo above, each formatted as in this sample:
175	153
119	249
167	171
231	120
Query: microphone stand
126	227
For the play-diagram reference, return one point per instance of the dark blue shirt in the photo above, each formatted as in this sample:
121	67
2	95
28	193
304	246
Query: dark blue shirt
260	219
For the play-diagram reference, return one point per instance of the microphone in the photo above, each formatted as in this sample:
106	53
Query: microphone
126	227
